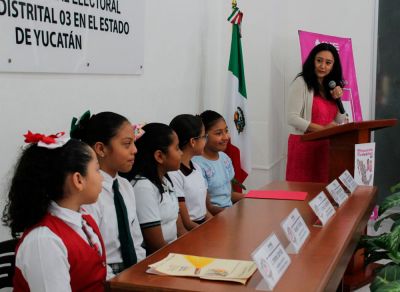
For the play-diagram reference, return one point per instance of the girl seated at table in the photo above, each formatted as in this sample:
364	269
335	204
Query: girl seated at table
157	204
216	165
61	248
188	181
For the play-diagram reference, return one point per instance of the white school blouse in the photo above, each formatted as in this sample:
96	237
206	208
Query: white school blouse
42	256
154	209
190	185
103	212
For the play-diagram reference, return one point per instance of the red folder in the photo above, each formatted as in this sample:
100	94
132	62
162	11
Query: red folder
276	195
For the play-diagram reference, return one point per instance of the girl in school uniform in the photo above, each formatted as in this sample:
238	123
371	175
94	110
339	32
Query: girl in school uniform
216	165
157	205
188	181
61	248
112	138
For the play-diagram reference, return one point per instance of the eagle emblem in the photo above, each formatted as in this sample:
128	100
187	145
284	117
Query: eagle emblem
238	118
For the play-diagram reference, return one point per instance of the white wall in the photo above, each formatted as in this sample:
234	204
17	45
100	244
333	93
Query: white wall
170	84
355	19
186	54
272	59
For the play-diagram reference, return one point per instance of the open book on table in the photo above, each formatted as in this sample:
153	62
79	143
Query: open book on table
204	268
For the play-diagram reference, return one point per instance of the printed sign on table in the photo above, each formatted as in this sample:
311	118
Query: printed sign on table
272	261
295	230
348	181
337	192
364	164
322	207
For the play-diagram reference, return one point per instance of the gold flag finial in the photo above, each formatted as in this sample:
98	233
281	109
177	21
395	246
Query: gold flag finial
234	3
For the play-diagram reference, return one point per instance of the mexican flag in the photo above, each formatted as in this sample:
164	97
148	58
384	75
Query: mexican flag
236	111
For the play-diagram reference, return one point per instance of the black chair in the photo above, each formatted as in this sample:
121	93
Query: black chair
7	262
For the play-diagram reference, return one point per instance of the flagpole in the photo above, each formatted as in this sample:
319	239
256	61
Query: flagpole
238	148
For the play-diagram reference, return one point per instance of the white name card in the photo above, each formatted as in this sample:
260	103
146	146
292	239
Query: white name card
322	207
272	261
348	181
337	192
295	230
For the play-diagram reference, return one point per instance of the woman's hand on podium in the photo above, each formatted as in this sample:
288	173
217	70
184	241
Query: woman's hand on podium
331	125
313	127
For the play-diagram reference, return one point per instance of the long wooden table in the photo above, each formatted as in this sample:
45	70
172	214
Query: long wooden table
237	231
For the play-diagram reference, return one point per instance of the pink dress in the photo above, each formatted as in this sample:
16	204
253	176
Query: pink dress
309	161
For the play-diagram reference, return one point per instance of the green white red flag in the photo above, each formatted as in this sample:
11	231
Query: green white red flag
236	110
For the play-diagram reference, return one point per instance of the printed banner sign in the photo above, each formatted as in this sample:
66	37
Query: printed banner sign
72	36
350	99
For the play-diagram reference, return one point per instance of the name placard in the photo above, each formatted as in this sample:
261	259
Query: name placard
295	230
272	261
348	181
337	192
322	207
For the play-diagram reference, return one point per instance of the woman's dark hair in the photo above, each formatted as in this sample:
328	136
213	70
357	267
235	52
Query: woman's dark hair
39	178
210	118
186	127
101	127
156	136
308	72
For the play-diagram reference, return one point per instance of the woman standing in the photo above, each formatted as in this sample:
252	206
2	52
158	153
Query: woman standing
311	108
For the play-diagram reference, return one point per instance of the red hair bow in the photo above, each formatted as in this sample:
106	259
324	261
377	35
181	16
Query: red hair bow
51	141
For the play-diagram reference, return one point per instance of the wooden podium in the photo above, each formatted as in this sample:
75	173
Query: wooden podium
342	140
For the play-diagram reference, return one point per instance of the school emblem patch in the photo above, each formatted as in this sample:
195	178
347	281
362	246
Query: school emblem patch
238	118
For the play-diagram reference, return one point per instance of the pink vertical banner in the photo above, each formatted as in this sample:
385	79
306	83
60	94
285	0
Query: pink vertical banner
350	99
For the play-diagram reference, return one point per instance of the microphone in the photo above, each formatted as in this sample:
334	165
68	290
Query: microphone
332	85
